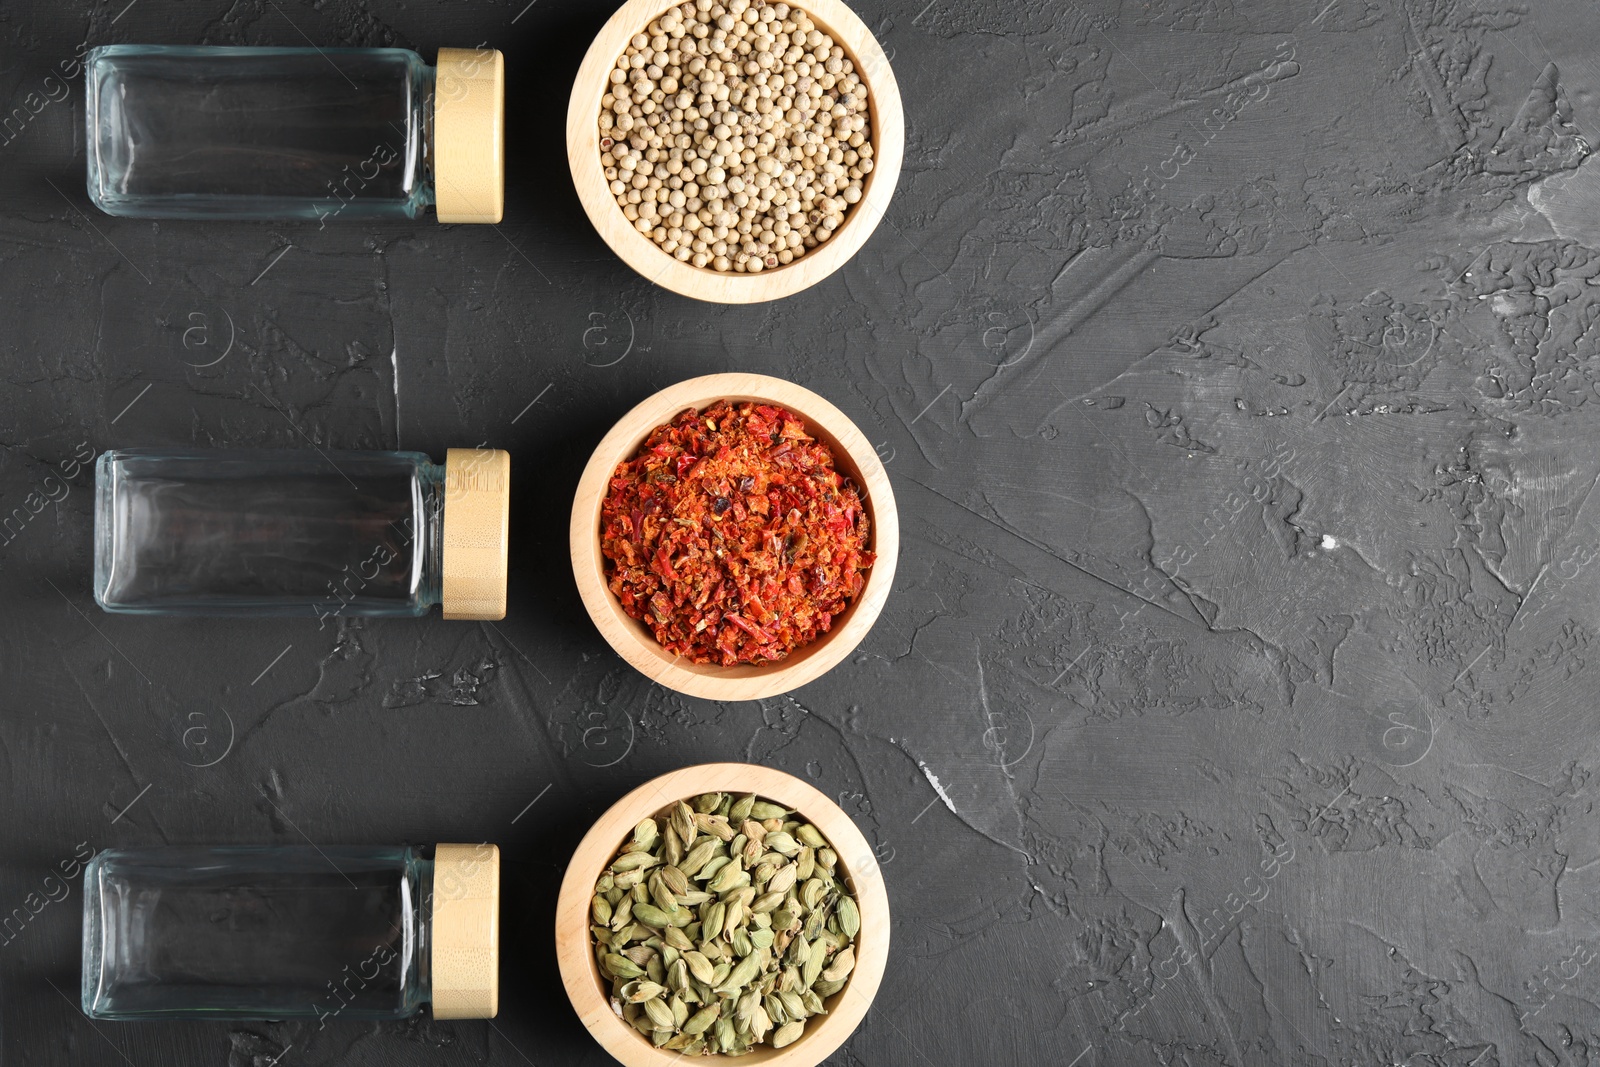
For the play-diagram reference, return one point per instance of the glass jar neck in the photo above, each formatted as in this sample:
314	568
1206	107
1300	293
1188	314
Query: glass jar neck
423	139
420	988
430	557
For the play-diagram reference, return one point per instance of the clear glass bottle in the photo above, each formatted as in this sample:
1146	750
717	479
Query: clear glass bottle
291	932
295	133
312	533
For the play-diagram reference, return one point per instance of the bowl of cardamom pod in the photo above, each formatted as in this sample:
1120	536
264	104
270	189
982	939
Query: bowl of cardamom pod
723	910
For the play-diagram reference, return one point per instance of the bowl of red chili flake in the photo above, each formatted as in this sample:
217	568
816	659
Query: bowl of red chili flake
734	536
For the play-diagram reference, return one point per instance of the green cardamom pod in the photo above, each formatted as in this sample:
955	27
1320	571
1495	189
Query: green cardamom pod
701	1020
660	1014
781	842
849	918
678	977
651	915
811	970
740	976
699	966
783	879
760	1023
639	992
745	1008
711	928
788	1033
682	821
674	879
794	1004
723	1032
698	856
619	966
662	895
632	861
716	826
728	878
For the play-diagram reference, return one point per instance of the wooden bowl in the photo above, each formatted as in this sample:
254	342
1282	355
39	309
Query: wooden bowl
634	642
888	128
589	991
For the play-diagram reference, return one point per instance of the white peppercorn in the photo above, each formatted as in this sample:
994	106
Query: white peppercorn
735	135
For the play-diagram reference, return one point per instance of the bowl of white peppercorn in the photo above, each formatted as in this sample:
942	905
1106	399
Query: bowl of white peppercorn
735	151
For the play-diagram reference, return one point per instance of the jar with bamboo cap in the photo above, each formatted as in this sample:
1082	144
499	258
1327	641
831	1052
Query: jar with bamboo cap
313	533
320	134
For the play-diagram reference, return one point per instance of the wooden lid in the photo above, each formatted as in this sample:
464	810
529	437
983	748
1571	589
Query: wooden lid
465	965
469	120
477	520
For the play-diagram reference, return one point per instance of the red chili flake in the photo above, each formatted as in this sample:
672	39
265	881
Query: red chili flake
732	535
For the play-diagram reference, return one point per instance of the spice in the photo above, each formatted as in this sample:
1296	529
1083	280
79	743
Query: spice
720	929
732	535
735	136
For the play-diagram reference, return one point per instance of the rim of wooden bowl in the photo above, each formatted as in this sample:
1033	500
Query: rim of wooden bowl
853	454
581	975
885	112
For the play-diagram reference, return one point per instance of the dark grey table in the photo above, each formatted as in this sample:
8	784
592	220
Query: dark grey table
1236	367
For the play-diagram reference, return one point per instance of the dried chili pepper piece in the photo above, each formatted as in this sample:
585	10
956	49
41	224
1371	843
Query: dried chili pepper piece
732	535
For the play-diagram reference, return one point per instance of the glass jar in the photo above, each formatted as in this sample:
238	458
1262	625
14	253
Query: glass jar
313	533
295	133
291	932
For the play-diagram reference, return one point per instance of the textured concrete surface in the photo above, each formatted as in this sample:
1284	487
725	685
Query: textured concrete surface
1236	368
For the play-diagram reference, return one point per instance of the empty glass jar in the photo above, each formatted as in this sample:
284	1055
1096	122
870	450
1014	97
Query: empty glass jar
295	133
292	932
314	533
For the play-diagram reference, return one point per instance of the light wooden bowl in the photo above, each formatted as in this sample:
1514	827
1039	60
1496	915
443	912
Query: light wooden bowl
633	641
888	129
589	991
